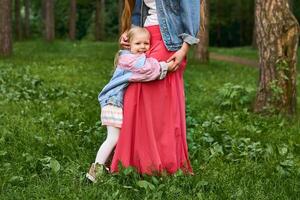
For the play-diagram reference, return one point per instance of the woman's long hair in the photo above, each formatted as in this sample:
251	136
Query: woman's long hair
126	15
125	22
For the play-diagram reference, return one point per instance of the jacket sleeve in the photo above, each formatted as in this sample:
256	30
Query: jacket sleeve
143	69
190	17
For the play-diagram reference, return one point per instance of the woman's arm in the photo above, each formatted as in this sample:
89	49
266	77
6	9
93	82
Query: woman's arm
124	41
190	18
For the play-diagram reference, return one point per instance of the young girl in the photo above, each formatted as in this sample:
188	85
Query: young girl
131	66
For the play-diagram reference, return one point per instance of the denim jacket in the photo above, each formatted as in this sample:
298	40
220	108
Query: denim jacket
130	68
179	20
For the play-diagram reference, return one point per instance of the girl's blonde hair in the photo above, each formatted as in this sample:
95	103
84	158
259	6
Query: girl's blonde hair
131	34
135	31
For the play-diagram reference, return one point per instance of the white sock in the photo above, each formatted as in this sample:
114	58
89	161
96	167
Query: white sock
108	145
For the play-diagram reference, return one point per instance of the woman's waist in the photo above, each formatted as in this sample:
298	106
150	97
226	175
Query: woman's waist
154	31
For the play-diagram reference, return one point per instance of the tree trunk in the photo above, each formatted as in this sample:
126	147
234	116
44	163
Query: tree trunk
26	19
18	25
49	20
5	28
120	10
218	23
72	20
277	39
99	20
242	21
254	42
202	53
291	4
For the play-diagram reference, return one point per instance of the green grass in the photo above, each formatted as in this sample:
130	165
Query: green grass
50	131
244	52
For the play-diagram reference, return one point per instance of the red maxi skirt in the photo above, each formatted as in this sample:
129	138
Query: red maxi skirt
153	134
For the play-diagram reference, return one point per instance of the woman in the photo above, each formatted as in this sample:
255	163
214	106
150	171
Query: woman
153	135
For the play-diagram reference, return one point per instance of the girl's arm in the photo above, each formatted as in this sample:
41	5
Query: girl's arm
143	69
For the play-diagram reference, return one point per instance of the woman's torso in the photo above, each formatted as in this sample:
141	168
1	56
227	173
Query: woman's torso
175	17
151	18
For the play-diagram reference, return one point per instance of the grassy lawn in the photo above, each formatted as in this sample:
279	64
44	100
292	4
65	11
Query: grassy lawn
244	52
50	130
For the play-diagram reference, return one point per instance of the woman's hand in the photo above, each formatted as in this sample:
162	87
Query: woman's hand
170	65
124	41
178	56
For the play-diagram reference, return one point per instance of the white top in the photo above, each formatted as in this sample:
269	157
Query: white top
152	14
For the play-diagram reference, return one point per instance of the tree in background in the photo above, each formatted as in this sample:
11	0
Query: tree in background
72	20
18	24
202	53
291	3
254	42
85	23
277	39
230	23
26	19
49	23
120	10
5	28
99	20
219	22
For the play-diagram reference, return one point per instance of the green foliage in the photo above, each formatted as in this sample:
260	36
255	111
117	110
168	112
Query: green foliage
231	22
85	19
50	131
276	91
234	97
282	64
49	163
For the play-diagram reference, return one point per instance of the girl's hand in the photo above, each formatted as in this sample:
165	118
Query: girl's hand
124	41
179	55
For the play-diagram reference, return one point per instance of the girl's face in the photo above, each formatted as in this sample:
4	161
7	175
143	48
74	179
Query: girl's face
140	43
